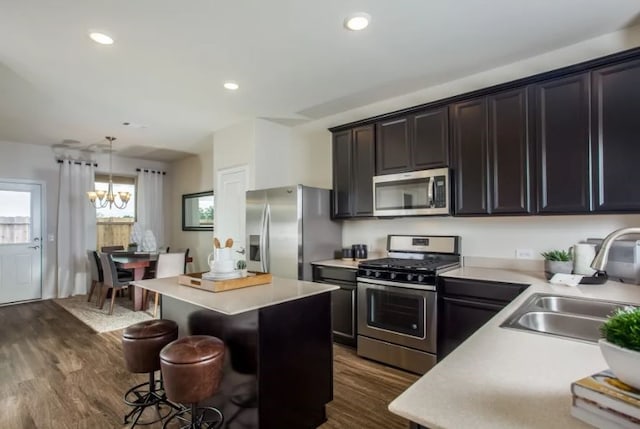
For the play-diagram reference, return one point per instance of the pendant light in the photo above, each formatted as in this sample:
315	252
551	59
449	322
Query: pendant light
100	198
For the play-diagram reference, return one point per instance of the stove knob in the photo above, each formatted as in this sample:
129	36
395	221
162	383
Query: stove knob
409	277
377	274
420	278
368	273
392	276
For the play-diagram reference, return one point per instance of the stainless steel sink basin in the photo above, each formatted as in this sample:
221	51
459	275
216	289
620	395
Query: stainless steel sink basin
564	325
588	307
563	316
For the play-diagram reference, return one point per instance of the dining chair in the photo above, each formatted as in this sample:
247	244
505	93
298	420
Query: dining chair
186	256
168	265
111	280
96	274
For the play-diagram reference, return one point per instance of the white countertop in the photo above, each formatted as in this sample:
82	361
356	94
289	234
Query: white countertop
339	263
238	300
504	378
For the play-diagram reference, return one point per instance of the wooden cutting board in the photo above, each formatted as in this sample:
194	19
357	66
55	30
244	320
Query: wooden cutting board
195	280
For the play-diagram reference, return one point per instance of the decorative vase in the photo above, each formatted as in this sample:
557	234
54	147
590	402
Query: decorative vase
624	363
553	267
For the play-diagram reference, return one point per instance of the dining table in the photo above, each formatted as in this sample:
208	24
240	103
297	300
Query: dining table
138	263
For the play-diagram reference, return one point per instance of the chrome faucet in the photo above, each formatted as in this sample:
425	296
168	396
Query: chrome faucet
600	261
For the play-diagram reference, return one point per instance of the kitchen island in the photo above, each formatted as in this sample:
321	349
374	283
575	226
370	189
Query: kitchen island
505	378
278	369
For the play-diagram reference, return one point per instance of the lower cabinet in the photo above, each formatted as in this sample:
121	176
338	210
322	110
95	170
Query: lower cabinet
465	305
343	301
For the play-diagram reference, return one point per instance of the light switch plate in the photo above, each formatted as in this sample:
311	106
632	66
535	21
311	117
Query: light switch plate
524	254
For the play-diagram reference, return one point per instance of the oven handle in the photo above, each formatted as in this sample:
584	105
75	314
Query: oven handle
477	304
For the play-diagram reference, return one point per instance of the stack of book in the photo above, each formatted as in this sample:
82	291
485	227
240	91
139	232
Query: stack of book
605	402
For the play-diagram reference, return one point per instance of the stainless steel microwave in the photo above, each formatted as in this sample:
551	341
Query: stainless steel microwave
416	193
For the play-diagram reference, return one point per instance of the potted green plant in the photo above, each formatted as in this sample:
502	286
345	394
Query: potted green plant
621	345
241	265
557	261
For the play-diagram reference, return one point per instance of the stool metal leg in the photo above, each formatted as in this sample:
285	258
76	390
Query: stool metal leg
144	395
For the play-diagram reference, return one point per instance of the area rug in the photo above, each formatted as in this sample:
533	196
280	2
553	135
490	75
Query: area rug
99	320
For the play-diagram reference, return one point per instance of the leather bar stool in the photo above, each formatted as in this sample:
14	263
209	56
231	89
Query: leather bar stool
141	344
192	370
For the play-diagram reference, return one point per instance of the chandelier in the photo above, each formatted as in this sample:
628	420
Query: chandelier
100	198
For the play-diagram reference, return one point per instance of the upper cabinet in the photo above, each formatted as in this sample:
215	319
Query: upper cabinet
492	152
510	152
469	142
353	170
414	142
562	142
615	137
561	108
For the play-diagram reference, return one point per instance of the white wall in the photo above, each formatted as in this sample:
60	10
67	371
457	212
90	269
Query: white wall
273	162
190	175
233	146
38	163
497	237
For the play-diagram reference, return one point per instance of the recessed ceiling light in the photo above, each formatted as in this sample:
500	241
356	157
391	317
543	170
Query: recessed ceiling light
101	38
231	86
357	21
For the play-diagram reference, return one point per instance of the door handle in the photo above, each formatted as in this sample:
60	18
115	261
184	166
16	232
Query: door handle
241	251
34	247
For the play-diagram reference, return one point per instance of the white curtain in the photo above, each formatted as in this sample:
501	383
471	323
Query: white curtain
76	227
150	204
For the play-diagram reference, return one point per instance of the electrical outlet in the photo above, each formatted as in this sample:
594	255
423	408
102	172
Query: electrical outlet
524	254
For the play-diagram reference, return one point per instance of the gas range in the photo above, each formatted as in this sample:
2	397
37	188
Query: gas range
397	300
415	260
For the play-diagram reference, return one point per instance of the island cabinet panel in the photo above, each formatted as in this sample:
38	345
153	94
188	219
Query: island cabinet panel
280	354
616	137
509	152
561	116
469	140
392	146
353	170
430	139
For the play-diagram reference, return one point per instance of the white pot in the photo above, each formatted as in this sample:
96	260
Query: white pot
624	363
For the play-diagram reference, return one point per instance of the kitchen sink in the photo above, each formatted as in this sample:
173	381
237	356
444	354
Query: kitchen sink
563	316
588	307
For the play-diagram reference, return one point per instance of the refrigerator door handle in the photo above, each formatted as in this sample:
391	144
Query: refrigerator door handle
262	238
267	239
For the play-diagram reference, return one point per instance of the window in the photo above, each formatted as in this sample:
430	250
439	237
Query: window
113	224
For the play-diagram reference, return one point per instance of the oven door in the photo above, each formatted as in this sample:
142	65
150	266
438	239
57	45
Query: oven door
398	315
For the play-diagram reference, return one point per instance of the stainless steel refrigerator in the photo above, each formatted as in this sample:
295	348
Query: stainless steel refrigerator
289	227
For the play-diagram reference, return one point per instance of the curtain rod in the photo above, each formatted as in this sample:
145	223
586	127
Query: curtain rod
151	171
77	162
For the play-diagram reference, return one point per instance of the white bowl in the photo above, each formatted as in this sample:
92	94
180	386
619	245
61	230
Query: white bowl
624	363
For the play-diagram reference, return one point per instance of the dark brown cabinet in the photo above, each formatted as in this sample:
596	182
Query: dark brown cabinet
562	142
415	142
509	152
492	154
343	301
615	137
392	146
469	141
561	109
353	169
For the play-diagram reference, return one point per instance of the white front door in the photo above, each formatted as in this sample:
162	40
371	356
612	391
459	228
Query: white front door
20	242
230	202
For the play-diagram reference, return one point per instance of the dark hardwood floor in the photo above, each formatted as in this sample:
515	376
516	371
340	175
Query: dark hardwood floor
55	372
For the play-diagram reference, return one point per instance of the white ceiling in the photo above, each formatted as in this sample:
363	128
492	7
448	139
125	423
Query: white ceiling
292	58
